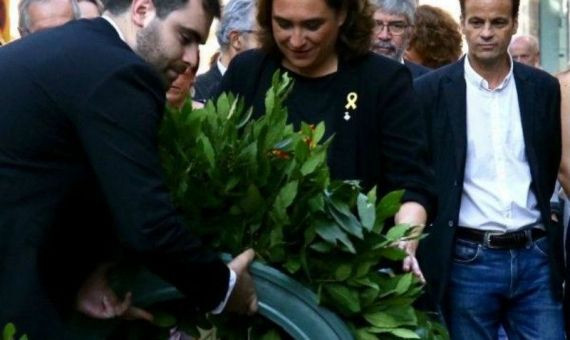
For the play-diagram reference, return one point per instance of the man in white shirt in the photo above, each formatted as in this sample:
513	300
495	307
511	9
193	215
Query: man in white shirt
492	256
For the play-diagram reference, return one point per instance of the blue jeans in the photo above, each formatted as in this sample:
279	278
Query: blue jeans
489	287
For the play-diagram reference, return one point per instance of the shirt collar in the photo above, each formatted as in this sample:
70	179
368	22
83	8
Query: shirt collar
221	67
112	22
478	81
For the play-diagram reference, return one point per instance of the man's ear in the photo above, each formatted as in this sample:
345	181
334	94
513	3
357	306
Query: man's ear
142	12
462	24
235	41
515	25
341	18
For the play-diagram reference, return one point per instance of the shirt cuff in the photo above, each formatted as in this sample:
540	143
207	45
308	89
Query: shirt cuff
231	285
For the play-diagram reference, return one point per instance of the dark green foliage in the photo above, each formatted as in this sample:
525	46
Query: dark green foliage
243	183
9	333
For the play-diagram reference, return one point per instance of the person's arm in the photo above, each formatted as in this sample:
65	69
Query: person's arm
406	161
403	142
564	172
414	214
117	126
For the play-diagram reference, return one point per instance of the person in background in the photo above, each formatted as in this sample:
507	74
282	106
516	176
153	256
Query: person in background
525	49
394	25
365	100
3	21
90	8
37	15
180	88
236	33
493	255
436	40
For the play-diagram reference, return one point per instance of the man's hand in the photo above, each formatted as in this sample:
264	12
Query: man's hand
97	300
243	299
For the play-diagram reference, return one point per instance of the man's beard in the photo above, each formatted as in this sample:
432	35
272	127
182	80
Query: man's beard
150	49
392	51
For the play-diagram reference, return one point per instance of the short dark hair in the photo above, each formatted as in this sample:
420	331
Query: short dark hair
355	35
515	10
163	7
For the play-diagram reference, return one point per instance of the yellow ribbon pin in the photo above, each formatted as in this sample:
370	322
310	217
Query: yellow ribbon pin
351	99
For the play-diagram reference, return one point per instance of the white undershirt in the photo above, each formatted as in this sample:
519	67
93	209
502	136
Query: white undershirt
221	67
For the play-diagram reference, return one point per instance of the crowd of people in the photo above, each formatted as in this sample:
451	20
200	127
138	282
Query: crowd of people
478	142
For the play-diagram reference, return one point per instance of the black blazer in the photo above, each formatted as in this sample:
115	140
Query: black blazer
383	144
416	70
79	121
207	84
442	93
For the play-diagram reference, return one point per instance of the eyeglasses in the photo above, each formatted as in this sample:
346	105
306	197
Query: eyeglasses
394	27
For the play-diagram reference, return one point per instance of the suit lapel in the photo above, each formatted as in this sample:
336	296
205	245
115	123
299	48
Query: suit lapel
455	94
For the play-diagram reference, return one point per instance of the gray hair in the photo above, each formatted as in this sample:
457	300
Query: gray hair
528	39
24	16
406	8
236	16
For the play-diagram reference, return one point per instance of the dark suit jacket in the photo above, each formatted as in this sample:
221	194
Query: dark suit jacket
207	83
381	145
443	96
417	70
79	122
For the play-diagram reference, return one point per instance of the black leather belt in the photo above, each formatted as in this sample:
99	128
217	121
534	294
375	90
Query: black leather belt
500	240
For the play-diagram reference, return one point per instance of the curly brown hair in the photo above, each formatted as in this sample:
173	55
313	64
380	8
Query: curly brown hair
354	36
437	37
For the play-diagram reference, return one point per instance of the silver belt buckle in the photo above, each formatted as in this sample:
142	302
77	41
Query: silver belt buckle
487	238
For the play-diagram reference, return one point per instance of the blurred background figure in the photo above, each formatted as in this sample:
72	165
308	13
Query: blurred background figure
436	40
394	21
37	15
180	88
525	49
90	8
236	33
3	21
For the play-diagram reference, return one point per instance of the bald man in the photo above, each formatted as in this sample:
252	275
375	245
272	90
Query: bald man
524	49
37	15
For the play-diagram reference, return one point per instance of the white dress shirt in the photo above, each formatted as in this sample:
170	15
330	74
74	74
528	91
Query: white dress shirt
221	67
497	191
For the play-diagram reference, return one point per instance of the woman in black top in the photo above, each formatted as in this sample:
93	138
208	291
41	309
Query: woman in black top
365	100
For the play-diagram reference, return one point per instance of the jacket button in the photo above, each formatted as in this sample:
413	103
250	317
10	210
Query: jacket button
455	183
450	223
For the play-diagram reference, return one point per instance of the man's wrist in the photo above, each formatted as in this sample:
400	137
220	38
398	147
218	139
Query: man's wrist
231	285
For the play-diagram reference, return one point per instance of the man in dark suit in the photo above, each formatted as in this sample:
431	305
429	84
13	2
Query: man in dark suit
393	31
236	33
492	255
79	121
